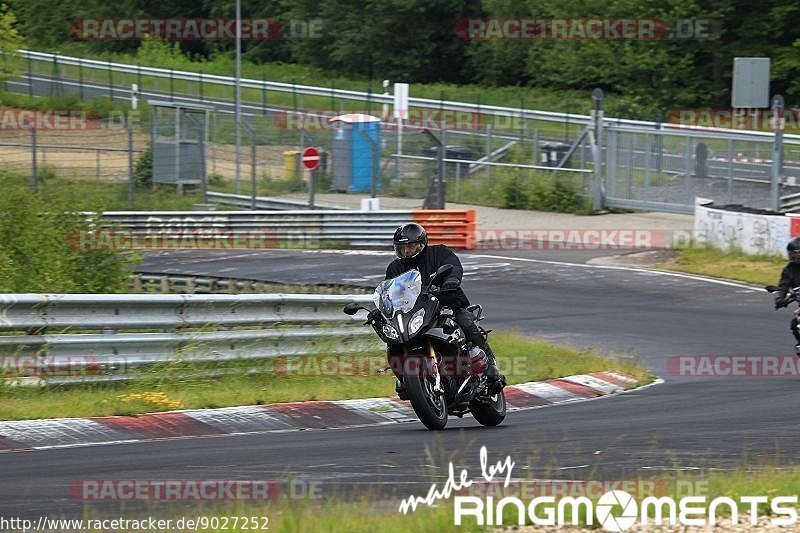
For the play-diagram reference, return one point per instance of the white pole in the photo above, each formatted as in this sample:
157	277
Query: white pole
238	96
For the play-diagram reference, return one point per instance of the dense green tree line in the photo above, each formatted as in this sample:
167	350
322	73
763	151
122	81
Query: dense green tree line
416	41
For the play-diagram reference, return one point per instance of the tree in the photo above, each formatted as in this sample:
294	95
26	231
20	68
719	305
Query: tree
10	41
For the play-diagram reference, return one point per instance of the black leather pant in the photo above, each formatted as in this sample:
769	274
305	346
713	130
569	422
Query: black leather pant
466	320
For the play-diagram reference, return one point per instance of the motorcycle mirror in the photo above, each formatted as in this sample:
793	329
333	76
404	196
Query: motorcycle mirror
442	271
352	308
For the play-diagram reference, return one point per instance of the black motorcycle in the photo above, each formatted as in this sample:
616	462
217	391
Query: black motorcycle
429	354
793	295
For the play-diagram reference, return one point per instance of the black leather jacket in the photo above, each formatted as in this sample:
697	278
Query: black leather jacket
427	262
790	277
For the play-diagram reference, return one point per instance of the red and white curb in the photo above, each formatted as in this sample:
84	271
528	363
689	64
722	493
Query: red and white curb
71	432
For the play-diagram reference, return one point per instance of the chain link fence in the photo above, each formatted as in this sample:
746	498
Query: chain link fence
441	150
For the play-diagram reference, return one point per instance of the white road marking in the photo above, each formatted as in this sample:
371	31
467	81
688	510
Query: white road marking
742	286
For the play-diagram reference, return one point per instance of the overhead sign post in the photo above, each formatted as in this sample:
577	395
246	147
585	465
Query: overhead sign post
311	159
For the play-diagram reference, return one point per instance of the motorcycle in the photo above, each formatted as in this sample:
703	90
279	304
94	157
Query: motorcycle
429	354
793	295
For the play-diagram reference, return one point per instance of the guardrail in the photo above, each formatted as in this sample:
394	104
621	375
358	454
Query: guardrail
790	203
170	284
263	202
76	337
269	229
378	98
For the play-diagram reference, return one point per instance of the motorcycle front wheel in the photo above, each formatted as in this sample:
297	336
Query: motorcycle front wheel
430	406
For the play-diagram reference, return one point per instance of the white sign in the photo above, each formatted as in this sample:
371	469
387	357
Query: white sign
401	101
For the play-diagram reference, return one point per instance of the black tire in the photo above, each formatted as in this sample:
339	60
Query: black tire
490	414
430	407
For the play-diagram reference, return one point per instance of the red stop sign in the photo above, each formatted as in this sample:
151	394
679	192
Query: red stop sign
311	158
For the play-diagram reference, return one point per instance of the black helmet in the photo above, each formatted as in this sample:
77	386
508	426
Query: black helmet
409	234
793	250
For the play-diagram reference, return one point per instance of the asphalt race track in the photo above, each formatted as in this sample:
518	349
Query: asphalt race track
685	423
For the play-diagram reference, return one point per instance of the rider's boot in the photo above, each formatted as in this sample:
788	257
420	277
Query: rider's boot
496	379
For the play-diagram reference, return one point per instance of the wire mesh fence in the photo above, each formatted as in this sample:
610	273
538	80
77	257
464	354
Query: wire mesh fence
464	152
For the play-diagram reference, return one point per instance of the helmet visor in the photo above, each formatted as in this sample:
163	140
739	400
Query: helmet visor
407	250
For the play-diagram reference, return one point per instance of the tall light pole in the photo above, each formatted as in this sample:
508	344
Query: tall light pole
238	96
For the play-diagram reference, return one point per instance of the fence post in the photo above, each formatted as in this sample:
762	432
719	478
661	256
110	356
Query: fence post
129	131
30	77
264	94
730	170
777	152
35	174
458	181
55	85
80	78
597	151
489	128
110	82
252	170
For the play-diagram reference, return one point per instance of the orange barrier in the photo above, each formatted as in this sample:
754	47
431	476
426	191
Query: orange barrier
453	227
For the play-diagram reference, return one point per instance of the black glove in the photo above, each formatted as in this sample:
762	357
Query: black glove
781	302
451	283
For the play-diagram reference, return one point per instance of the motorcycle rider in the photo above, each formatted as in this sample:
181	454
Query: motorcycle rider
411	247
790	278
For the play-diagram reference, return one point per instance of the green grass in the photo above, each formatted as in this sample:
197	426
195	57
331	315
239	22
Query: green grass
331	513
179	385
736	265
89	194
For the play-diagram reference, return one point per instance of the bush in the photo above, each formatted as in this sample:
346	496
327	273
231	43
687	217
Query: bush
40	247
540	194
143	172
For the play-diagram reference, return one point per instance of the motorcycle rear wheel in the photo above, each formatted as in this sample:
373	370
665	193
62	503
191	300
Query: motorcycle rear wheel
492	413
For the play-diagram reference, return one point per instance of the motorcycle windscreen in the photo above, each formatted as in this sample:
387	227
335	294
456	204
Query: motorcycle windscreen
398	294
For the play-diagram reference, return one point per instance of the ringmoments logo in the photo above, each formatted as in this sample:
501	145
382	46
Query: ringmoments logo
615	510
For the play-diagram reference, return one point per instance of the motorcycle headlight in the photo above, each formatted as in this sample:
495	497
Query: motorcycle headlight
390	332
416	321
